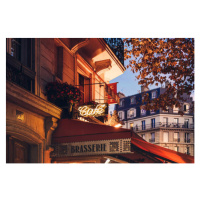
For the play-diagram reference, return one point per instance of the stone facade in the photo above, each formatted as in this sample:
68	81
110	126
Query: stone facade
30	64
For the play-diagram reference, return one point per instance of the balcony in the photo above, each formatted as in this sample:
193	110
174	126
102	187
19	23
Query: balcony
163	125
187	140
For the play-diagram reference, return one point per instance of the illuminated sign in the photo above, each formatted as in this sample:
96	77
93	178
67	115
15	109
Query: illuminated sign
93	110
92	147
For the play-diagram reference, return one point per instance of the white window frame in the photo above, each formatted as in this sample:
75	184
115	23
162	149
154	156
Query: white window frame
121	103
175	109
142	111
154	94
122	115
134	100
187	108
130	110
166	133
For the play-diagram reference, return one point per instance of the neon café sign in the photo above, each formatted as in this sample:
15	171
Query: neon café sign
93	110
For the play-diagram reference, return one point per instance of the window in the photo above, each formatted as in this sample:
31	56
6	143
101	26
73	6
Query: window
188	151
143	136
187	137
153	123
165	137
84	88
59	64
186	108
143	125
20	62
121	103
154	94
165	111
176	137
133	100
176	148
176	124
175	109
121	115
152	137
131	125
186	123
131	113
143	111
165	121
16	48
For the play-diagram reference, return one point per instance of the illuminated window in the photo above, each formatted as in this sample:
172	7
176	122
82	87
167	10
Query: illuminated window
131	113
175	109
176	148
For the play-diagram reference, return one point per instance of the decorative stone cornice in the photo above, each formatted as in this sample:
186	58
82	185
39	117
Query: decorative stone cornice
21	130
80	45
50	126
103	65
30	101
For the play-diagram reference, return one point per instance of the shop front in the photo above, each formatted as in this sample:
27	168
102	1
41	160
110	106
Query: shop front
75	141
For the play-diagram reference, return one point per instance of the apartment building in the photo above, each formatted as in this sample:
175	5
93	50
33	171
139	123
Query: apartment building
164	128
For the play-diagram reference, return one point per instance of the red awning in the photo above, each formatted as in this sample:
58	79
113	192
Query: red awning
69	130
160	152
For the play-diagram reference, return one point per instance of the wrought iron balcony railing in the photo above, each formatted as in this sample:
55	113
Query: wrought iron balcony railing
187	140
163	125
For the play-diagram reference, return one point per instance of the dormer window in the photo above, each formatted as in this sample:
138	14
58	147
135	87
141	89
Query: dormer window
121	115
154	94
186	108
131	113
175	109
133	100
142	111
121	103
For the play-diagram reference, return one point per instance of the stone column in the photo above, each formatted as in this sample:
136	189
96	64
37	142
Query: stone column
50	126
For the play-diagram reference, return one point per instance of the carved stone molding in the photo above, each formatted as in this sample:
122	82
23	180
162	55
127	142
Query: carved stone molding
23	131
50	126
103	65
30	101
80	45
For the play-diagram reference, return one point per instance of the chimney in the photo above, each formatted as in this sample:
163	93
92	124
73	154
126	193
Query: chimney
144	88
